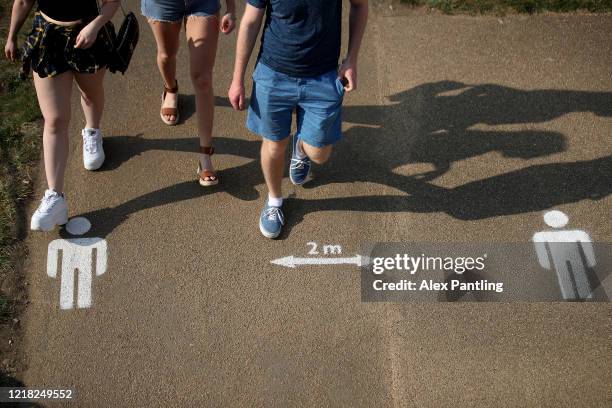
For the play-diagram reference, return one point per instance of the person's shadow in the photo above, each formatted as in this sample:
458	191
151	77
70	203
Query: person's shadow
436	123
239	182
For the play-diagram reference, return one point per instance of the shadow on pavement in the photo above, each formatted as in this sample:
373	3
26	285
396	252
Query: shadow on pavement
238	181
431	123
533	188
187	106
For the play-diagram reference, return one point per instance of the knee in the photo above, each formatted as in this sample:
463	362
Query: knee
274	150
201	80
165	56
319	155
56	123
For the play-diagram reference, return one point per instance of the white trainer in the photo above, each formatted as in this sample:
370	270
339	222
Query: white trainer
52	211
93	153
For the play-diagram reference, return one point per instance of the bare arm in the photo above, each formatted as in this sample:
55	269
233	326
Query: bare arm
228	21
358	19
247	35
89	33
21	9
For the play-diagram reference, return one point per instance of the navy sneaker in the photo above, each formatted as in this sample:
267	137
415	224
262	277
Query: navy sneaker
299	168
271	221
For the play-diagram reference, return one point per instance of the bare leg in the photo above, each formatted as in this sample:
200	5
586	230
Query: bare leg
92	97
202	35
167	39
54	100
318	155
273	164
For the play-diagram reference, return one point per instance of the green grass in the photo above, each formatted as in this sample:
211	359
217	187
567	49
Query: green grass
520	6
19	152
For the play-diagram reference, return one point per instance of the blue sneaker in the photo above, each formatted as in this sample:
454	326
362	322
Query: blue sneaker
271	221
299	168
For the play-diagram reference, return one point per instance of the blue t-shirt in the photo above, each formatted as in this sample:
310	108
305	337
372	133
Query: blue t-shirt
301	37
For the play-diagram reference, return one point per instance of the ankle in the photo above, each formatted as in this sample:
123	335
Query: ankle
299	150
275	201
205	160
57	191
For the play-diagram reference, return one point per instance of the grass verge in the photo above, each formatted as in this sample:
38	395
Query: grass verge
517	6
19	154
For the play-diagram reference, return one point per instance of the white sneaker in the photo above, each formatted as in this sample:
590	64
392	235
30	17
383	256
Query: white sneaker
93	153
52	211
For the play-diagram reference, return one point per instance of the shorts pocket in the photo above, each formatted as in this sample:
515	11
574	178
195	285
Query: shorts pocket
340	87
257	72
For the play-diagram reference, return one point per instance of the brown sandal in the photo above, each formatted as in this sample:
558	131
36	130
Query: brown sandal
204	174
169	111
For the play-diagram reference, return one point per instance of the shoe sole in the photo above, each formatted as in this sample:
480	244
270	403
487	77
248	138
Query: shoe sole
206	183
46	228
267	234
92	168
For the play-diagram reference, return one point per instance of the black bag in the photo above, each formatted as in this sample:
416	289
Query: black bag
123	42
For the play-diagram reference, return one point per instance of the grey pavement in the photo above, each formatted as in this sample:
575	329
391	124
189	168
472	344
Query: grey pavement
463	129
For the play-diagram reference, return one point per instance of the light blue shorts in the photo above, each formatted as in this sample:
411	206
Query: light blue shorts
317	102
176	10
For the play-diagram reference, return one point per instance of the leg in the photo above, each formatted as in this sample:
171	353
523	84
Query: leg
202	35
319	119
92	97
167	38
273	164
54	100
318	155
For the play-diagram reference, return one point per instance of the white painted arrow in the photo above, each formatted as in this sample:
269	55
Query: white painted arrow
292	261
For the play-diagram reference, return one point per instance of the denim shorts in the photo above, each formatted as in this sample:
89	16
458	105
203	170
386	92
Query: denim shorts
176	10
317	102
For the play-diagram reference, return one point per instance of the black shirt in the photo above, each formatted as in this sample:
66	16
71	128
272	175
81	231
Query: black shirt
69	10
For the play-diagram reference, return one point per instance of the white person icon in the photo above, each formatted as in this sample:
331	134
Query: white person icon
78	256
571	252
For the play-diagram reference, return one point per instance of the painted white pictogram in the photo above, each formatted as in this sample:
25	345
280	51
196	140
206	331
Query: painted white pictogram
571	252
76	256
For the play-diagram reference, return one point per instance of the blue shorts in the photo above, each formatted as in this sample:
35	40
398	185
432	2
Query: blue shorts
173	10
317	102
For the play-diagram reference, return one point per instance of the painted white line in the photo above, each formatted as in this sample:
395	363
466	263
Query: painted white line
77	256
78	226
293	261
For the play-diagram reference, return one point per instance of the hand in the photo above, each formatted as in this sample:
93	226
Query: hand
11	51
228	23
236	95
348	71
87	37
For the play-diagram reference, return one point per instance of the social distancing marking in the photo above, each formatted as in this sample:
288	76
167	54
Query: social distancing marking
571	252
80	257
78	226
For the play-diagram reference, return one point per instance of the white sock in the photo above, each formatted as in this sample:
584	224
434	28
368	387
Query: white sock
299	153
275	202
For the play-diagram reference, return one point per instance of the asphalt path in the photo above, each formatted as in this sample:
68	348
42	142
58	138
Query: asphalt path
463	129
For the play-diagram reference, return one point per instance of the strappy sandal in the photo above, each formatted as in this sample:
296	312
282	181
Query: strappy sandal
204	174
169	111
